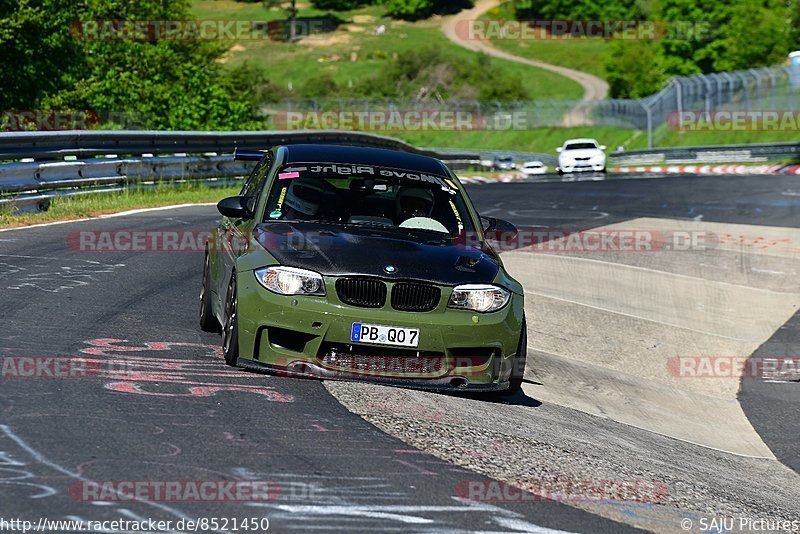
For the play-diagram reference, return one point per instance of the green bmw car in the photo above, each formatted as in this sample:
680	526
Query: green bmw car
346	262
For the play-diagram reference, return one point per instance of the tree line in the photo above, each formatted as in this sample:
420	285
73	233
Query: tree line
694	37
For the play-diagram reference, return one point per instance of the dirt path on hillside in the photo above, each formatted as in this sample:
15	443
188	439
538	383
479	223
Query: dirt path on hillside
594	88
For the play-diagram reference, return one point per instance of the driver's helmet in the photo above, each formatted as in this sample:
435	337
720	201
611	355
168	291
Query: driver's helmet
414	202
304	197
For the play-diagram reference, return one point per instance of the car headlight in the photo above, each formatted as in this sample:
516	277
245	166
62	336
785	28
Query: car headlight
291	281
479	298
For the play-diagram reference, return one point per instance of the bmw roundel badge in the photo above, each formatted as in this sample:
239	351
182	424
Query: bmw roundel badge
390	269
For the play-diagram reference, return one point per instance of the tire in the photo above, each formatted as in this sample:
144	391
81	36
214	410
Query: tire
230	330
208	323
518	372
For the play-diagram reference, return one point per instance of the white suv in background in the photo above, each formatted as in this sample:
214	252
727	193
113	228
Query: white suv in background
580	155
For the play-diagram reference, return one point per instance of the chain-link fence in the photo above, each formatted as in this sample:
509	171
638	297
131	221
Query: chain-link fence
689	98
700	98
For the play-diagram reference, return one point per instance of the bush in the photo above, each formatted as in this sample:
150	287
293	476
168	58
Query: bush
341	5
167	84
420	9
430	73
320	86
633	69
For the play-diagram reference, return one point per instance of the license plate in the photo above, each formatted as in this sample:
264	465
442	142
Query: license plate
384	335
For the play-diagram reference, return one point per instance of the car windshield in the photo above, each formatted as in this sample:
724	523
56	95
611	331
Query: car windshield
580	146
391	199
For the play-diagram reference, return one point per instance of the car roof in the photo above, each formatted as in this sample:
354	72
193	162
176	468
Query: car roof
308	153
582	140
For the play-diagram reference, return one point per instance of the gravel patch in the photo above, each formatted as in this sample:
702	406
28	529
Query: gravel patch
525	443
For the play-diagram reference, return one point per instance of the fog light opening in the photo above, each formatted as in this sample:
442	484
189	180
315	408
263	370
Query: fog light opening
458	382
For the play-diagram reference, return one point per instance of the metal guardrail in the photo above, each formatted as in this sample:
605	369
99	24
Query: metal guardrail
709	154
90	143
42	165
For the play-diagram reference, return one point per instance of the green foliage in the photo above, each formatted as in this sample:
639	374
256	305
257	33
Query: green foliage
429	73
175	84
579	9
341	5
420	9
320	86
409	9
633	69
37	53
762	24
694	37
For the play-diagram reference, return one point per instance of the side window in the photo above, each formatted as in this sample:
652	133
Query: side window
248	183
255	182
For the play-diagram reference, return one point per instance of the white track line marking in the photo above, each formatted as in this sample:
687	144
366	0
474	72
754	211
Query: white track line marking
110	215
36	455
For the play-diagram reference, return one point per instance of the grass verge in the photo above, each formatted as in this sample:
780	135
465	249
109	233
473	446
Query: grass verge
92	205
665	136
542	140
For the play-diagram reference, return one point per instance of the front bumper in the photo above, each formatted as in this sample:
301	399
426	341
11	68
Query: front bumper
583	167
310	337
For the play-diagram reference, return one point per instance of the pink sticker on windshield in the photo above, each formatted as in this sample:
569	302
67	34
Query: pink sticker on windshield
288	175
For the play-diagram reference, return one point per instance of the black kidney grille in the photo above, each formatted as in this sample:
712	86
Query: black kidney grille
415	297
362	292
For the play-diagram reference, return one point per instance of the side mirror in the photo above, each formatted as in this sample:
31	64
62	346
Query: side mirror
498	229
234	208
558	149
602	147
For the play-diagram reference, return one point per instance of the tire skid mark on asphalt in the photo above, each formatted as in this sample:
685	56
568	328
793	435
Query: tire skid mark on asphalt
46	278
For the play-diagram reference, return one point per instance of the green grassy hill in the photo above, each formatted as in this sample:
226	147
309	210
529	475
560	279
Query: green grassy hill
353	53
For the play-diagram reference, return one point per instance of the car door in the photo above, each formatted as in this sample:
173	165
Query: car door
233	235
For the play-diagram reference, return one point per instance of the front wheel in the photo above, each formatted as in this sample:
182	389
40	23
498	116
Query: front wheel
230	330
208	323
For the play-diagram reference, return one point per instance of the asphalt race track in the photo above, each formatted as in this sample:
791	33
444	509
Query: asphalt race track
159	405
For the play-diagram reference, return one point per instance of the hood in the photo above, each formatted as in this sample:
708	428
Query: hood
338	250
